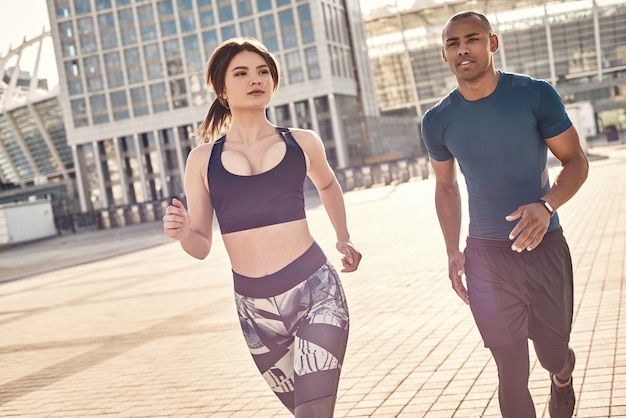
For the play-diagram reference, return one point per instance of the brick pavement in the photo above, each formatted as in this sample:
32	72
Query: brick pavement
153	332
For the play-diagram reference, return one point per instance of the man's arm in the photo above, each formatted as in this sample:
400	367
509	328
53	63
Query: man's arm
529	231
448	206
575	167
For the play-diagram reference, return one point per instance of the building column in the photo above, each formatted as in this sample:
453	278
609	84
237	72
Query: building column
596	35
340	146
313	115
546	21
140	166
179	153
98	162
80	183
159	149
118	157
292	114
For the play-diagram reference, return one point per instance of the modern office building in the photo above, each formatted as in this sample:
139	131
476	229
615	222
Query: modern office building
577	45
131	77
34	153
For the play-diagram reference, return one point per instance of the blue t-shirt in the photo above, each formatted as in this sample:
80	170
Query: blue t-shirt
499	144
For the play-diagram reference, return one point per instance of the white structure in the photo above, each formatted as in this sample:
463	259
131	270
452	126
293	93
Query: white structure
33	146
26	221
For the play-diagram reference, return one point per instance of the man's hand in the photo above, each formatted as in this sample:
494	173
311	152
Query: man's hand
456	270
531	228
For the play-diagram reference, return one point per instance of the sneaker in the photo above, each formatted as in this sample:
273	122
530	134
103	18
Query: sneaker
562	400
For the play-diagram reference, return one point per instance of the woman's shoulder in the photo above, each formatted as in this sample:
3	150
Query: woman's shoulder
304	136
200	153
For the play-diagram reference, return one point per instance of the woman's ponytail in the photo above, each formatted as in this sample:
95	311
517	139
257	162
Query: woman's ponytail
216	119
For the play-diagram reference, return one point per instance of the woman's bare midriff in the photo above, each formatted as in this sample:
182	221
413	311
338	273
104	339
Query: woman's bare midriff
262	251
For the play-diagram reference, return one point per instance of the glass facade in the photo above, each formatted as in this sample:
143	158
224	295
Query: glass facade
133	61
577	45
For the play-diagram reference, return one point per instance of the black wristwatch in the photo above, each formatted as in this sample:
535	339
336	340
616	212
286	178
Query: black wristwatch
546	205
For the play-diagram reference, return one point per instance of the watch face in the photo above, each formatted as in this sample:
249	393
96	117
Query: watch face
548	206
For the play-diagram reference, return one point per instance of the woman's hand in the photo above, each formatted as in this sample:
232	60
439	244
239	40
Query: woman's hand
176	222
351	256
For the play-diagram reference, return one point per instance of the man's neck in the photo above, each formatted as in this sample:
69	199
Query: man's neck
480	88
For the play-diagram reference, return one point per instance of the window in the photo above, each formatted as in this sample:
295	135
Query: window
166	8
139	100
229	32
63	8
103	4
69	48
178	90
66	30
263	5
93	72
268	33
168	27
173	60
133	65
79	112
74	86
187	23
225	11
312	63
119	103
159	98
99	109
192	53
132	56
283	117
154	65
185	5
294	67
288	27
207	18
82	6
105	21
166	14
248	28
113	65
244	8
209	40
306	24
147	24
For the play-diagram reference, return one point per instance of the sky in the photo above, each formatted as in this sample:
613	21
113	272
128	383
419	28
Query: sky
27	19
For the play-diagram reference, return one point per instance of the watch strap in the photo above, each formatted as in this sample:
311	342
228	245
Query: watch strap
546	205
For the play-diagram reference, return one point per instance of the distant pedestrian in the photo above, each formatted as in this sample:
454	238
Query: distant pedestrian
290	300
498	126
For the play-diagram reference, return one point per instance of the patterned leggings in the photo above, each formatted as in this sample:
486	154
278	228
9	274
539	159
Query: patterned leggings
295	322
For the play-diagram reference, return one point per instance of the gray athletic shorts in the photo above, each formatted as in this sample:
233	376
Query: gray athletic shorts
515	295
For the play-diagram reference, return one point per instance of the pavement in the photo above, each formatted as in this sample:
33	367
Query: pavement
122	323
